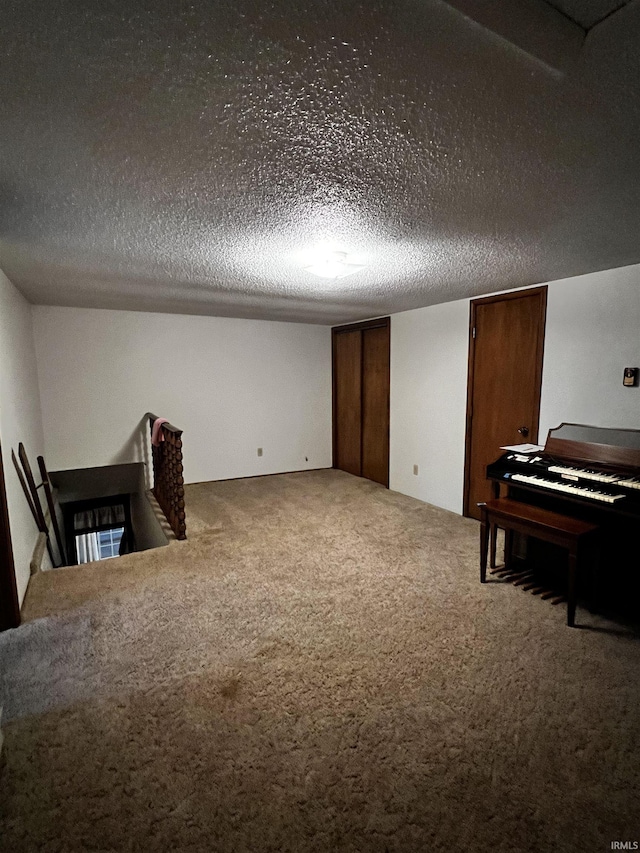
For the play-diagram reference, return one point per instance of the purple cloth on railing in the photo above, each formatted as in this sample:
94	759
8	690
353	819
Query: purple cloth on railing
156	431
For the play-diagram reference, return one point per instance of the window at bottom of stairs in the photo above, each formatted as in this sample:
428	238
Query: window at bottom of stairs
109	542
101	545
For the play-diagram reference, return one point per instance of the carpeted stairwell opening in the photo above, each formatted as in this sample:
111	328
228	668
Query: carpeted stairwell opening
106	511
317	668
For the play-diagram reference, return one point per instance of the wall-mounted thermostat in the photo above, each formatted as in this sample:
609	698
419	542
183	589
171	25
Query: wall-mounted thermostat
630	378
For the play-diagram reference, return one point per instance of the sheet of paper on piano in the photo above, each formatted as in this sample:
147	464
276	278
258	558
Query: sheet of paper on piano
524	448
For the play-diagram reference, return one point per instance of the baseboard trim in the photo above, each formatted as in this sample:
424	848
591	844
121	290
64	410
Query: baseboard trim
257	476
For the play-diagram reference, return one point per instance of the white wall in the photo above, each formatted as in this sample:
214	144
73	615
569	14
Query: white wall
428	402
231	385
592	334
20	419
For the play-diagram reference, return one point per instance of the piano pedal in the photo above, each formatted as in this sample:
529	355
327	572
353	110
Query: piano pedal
506	574
528	581
510	575
523	580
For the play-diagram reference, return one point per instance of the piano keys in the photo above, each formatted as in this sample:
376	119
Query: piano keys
598	476
577	490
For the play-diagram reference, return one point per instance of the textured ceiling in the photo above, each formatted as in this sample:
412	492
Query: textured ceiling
588	13
182	157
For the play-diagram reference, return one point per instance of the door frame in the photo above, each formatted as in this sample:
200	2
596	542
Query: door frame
542	291
9	602
378	323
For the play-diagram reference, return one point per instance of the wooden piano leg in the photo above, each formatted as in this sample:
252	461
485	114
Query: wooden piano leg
594	567
484	541
572	588
495	489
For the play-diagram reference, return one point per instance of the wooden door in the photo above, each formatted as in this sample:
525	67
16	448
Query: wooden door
375	404
9	605
347	401
361	399
505	378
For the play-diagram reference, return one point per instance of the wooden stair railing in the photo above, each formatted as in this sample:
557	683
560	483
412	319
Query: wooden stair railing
168	476
30	489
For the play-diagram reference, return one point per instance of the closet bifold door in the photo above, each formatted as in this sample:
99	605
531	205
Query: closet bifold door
347	401
361	378
375	405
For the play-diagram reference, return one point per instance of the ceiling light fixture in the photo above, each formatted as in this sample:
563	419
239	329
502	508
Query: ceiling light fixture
333	265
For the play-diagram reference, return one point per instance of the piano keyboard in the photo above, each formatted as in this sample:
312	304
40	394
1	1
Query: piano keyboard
630	483
598	476
567	488
584	474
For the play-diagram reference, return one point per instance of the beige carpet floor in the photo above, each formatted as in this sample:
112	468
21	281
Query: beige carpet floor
317	668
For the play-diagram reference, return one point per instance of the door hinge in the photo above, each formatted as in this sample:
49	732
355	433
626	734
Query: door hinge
473	333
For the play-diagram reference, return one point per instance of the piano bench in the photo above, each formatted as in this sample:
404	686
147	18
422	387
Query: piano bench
516	517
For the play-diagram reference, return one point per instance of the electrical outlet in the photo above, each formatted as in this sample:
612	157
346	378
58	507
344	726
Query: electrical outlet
415	469
259	451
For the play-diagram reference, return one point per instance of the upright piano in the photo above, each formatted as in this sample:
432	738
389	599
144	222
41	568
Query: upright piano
587	472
